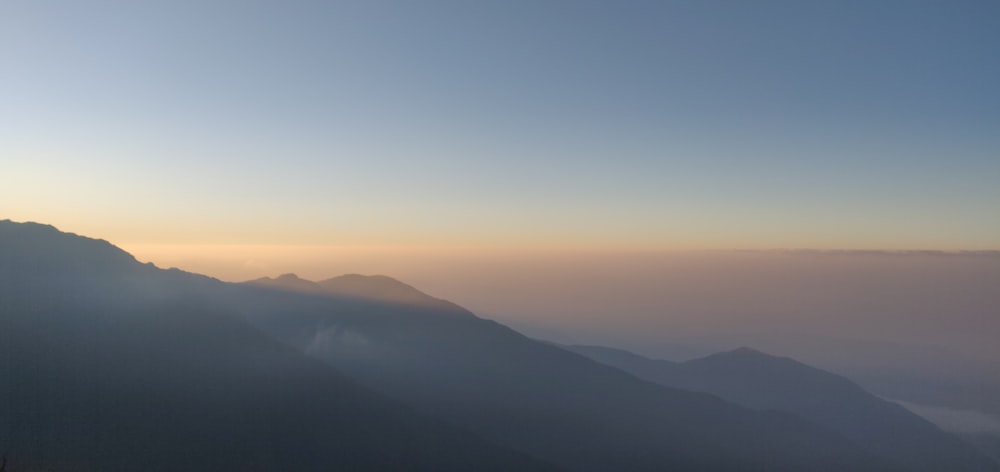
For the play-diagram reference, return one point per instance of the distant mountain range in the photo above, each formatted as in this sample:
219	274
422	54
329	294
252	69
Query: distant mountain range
534	397
761	381
110	364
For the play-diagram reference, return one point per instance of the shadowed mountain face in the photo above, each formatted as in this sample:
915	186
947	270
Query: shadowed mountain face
989	443
108	364
758	380
529	395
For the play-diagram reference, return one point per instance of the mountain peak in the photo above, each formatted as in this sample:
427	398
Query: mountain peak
373	286
761	381
745	351
385	289
42	247
289	281
368	279
29	224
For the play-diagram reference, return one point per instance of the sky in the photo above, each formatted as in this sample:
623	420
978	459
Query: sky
182	126
582	171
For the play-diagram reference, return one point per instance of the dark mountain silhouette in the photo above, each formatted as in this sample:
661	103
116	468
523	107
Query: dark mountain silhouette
370	288
532	396
380	288
762	381
107	364
987	442
290	282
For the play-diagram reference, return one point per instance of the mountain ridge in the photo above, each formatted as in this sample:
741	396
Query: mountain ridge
376	288
123	366
525	398
753	378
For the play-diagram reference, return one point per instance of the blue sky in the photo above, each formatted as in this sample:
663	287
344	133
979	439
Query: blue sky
854	124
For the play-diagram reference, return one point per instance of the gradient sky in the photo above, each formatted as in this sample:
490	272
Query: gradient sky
535	124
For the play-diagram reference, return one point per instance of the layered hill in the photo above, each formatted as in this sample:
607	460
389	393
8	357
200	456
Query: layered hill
107	364
758	380
529	395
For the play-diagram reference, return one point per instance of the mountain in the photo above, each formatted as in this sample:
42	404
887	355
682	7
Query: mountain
371	288
988	442
110	364
762	381
107	364
289	282
528	395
